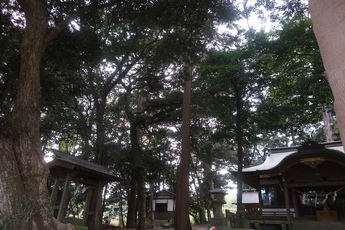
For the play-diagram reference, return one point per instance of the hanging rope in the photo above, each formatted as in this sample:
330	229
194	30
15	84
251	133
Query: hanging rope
334	193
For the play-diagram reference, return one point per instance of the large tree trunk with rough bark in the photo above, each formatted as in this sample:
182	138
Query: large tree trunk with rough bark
182	191
24	202
132	203
328	18
329	122
136	217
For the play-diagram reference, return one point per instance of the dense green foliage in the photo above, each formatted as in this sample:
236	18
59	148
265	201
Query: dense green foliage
112	89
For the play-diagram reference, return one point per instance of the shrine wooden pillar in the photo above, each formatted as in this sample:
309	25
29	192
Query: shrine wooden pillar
259	212
93	207
287	205
295	203
53	195
87	206
99	209
64	199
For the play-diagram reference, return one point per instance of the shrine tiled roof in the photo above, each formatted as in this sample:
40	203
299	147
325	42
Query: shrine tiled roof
277	155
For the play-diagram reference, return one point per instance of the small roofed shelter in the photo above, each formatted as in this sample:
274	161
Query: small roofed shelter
163	207
65	168
302	182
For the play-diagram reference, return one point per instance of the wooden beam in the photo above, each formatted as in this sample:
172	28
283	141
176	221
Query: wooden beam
312	184
84	179
87	205
99	210
260	199
287	205
53	195
64	199
295	202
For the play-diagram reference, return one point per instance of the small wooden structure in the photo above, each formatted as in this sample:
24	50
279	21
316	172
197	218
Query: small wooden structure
250	200
163	205
306	182
66	168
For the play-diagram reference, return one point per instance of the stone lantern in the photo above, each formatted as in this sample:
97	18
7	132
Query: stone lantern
219	221
219	200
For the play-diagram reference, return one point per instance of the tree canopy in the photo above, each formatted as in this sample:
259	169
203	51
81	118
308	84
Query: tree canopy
103	80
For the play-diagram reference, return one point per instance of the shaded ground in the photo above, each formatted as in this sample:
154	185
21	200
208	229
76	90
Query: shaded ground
194	227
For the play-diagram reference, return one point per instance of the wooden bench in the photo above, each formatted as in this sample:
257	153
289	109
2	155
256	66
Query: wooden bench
277	213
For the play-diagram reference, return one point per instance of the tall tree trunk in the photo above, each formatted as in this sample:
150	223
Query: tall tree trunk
182	195
100	110
209	185
152	216
121	214
24	201
239	137
328	120
201	195
141	200
132	203
328	18
137	199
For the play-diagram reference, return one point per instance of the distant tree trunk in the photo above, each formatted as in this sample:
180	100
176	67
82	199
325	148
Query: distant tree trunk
100	110
182	194
328	18
208	181
121	216
202	199
239	137
137	202
152	216
201	207
132	203
136	216
328	120
24	202
98	150
141	200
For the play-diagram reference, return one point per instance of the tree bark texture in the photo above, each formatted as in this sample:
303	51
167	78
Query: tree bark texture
24	201
182	194
328	18
132	203
239	136
328	121
137	198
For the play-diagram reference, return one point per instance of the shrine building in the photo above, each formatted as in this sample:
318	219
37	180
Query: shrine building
163	207
299	188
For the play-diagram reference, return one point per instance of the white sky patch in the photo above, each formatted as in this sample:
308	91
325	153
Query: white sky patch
231	186
48	157
254	21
